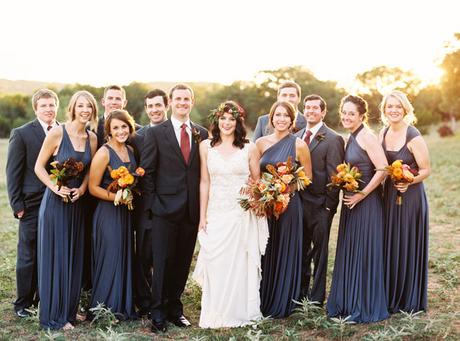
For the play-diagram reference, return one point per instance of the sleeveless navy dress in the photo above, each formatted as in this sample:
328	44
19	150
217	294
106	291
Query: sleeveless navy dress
357	288
405	238
60	246
282	262
112	248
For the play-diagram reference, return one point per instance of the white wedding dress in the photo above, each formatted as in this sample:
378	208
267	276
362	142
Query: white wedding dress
229	263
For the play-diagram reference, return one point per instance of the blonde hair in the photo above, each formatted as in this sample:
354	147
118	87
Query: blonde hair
409	116
44	93
73	104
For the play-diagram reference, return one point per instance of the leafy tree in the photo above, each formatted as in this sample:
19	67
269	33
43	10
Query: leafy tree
450	81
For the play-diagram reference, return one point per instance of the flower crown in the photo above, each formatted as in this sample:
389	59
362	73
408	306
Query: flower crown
227	107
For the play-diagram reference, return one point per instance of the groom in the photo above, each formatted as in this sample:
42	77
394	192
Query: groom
319	203
171	190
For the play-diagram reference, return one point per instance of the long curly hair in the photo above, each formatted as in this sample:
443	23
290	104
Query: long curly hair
240	130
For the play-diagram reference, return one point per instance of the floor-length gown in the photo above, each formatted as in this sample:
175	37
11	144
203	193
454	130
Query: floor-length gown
60	246
112	245
282	263
228	267
405	238
357	288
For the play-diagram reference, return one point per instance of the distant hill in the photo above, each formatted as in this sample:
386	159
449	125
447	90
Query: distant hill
26	87
29	87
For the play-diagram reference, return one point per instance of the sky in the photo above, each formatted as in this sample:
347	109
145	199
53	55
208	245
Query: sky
100	42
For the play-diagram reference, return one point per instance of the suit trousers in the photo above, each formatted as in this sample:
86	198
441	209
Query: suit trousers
143	266
26	261
173	243
317	226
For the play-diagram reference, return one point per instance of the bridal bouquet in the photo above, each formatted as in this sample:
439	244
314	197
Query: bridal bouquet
347	178
270	195
400	173
124	185
62	173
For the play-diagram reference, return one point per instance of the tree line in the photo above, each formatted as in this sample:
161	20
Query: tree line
432	103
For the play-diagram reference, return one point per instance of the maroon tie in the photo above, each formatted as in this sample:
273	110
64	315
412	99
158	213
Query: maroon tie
307	137
184	142
49	127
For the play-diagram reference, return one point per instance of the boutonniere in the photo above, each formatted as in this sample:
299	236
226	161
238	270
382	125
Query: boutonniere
196	135
320	137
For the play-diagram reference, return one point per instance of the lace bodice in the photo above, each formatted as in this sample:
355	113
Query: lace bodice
227	176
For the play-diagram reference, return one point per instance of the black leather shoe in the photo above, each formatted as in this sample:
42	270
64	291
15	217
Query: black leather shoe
180	321
158	326
22	313
144	313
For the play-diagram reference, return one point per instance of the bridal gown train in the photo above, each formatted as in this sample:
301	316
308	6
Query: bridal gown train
229	263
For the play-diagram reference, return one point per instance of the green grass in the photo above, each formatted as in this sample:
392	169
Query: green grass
442	321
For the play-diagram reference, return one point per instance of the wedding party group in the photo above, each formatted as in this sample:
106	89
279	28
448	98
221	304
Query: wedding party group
115	208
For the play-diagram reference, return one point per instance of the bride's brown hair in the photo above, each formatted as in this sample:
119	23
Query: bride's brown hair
240	130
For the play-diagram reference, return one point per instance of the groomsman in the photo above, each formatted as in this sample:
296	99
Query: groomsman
114	98
319	203
290	92
25	192
156	104
171	190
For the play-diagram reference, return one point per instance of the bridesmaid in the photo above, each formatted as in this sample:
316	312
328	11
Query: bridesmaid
112	237
406	225
357	289
61	224
282	263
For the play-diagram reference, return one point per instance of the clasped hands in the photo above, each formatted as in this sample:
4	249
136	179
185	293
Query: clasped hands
72	193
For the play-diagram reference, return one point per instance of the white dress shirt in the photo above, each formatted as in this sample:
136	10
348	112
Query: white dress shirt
45	125
313	130
177	130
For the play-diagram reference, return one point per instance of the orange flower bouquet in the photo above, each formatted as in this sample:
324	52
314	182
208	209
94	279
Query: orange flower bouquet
124	185
399	173
62	173
347	178
270	195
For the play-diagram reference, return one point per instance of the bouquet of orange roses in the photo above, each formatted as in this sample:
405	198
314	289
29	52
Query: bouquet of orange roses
62	173
347	178
270	195
400	173
124	185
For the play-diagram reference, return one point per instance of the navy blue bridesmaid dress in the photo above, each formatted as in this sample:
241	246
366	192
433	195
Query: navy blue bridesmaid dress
112	249
357	289
405	238
282	262
61	229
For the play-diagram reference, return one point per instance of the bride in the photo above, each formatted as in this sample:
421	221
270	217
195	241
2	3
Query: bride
232	240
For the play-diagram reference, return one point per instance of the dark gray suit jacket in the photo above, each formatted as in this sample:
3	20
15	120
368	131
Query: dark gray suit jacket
264	128
23	149
326	152
170	186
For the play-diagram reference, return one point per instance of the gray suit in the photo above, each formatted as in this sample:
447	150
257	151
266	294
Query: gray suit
264	128
25	192
319	206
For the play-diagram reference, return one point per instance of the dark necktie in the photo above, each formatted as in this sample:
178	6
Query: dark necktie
184	142
307	137
49	128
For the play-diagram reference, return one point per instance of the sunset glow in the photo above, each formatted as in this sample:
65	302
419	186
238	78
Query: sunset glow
101	42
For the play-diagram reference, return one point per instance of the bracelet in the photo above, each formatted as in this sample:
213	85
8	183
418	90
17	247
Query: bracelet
363	193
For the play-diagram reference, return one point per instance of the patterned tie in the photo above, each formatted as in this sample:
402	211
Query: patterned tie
184	142
307	137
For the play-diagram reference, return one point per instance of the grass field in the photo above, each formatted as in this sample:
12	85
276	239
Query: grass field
442	321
